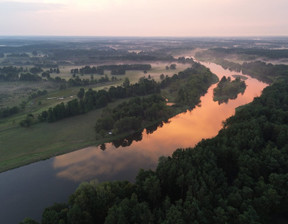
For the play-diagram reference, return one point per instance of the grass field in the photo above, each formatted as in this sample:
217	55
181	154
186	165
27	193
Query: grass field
21	146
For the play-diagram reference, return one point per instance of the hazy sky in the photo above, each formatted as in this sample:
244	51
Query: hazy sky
144	17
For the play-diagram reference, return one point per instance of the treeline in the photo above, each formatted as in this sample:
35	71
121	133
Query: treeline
84	56
259	52
265	72
11	73
133	115
92	99
227	89
22	55
20	74
87	70
184	60
37	94
115	69
77	81
9	111
240	176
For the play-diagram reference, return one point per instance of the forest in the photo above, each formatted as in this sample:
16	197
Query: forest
239	176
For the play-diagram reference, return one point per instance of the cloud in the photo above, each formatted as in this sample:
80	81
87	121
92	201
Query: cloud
143	17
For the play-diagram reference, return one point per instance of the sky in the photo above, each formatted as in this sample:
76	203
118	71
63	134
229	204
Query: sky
184	18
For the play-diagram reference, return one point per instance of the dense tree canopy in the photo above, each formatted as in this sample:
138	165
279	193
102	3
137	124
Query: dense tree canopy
133	115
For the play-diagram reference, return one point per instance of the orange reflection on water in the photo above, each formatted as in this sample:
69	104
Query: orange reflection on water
184	130
92	162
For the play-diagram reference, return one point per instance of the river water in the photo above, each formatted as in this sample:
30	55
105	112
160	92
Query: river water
27	190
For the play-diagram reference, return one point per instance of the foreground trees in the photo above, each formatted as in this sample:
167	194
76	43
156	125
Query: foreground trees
240	176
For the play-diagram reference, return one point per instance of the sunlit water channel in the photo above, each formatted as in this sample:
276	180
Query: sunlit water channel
26	191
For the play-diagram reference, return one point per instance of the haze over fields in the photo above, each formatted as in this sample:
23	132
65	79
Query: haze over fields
144	17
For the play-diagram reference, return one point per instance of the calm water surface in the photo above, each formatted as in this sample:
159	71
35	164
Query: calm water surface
26	191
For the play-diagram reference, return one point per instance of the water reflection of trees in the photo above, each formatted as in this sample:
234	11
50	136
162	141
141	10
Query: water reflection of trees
127	141
137	136
232	97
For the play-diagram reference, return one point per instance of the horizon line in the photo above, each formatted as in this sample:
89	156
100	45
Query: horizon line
120	36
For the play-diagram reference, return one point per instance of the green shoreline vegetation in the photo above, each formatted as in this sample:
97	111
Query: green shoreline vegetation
239	176
227	89
46	133
242	77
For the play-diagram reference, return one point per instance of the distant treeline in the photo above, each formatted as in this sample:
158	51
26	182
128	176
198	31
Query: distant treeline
184	60
240	176
12	74
24	55
115	69
37	93
265	72
259	52
82	56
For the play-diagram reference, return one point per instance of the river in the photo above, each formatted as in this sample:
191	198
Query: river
27	190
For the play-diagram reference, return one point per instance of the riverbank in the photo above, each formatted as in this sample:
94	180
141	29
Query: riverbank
45	140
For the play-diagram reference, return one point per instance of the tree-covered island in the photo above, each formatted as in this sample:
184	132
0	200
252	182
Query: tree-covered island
227	89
